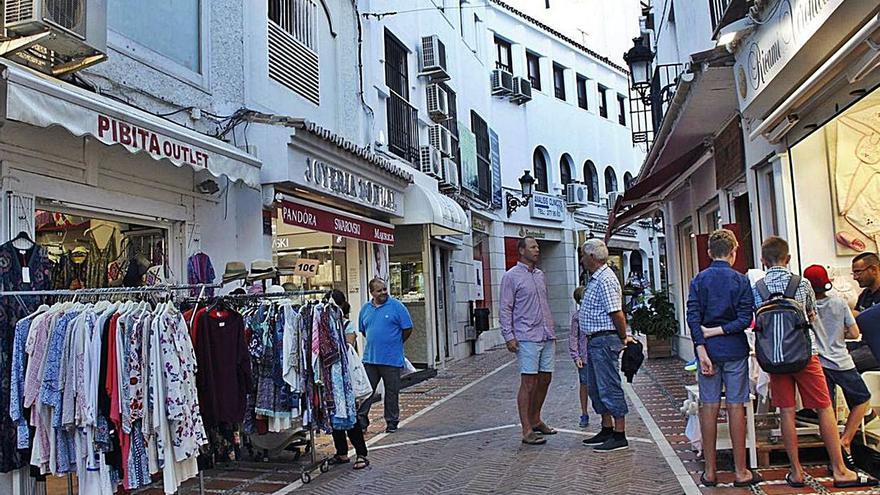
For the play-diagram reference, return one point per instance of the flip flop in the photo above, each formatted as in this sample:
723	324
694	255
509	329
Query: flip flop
792	483
543	429
756	478
361	462
707	483
534	439
859	482
338	460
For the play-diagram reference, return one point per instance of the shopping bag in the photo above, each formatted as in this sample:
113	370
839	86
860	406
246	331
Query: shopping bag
360	382
407	368
692	432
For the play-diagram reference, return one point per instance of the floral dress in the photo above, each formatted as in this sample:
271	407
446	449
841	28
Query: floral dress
13	266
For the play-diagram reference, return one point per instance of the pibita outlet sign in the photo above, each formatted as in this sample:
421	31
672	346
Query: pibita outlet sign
337	223
114	131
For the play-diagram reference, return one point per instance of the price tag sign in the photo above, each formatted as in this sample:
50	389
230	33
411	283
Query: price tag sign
306	267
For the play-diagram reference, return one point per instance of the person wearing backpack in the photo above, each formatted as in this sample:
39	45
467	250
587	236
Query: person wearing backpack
720	306
786	306
836	324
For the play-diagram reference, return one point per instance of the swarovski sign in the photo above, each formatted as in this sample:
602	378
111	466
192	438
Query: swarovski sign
348	185
765	53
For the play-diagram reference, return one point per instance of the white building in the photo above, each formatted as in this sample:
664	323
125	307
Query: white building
572	127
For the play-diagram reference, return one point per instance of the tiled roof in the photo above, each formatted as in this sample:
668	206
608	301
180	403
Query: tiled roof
561	36
355	149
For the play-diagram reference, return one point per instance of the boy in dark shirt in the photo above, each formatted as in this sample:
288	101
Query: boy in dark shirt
720	307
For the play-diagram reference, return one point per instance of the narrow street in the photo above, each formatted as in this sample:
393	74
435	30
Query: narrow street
471	444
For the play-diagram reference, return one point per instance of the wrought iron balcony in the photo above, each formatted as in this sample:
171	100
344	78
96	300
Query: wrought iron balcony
723	12
403	128
647	106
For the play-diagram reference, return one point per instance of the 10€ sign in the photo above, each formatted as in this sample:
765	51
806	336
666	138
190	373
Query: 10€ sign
306	267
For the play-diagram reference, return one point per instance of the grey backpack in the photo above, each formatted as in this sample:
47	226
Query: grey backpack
782	331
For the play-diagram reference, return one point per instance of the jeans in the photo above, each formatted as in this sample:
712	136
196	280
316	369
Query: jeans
390	375
356	435
606	390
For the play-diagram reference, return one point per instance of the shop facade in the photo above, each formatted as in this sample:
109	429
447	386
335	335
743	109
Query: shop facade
101	184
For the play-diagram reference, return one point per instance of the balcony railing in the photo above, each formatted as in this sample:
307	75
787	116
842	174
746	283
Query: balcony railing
648	106
717	8
403	128
723	12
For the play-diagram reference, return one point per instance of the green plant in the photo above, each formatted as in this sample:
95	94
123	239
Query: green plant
656	318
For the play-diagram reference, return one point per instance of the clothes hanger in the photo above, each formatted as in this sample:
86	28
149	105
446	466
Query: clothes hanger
22	237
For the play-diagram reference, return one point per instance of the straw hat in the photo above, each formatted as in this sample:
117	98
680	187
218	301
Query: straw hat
235	270
261	270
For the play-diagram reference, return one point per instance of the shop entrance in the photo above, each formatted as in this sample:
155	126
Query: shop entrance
328	250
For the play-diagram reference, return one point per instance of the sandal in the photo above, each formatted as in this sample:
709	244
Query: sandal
361	462
543	429
338	459
860	482
534	439
756	478
792	483
707	483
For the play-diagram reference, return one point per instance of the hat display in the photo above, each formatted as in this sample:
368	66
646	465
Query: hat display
261	270
235	270
287	261
818	277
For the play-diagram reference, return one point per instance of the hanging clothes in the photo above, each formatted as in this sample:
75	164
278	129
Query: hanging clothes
27	269
199	270
224	375
99	259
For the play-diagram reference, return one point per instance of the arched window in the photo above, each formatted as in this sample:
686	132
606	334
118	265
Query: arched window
591	179
627	181
540	170
610	181
565	166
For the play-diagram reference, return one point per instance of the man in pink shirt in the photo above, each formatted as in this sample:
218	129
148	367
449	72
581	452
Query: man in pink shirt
527	327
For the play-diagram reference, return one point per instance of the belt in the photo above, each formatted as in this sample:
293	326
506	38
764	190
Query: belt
601	334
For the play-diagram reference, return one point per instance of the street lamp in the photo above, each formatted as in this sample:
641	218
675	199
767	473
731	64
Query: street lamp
526	183
639	59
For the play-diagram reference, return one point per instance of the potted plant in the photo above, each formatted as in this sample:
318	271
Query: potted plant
656	320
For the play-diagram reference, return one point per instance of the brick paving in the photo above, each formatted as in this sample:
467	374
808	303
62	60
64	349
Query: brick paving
660	385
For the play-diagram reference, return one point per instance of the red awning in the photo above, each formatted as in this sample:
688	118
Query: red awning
323	219
642	196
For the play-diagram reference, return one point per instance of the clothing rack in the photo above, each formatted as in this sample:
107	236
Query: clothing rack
323	464
114	291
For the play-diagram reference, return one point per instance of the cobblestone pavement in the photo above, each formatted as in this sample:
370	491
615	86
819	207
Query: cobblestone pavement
470	444
660	385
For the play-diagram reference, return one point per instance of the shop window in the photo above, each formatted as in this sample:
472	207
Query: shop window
533	64
91	252
503	57
687	254
539	163
179	38
408	278
591	179
327	249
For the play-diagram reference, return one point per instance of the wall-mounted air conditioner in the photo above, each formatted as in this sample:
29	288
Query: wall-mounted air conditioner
440	138
577	194
502	82
522	90
438	103
449	182
433	59
430	161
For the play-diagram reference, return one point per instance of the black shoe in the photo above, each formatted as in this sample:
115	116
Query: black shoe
612	444
598	438
390	428
848	460
807	416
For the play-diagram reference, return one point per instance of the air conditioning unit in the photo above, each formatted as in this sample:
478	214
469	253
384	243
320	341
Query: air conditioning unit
440	138
577	194
57	36
612	199
430	161
502	82
433	59
450	181
522	90
438	103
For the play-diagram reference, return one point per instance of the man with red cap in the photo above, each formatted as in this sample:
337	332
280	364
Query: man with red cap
834	325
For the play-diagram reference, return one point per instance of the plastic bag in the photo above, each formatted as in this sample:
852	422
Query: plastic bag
692	431
360	382
407	368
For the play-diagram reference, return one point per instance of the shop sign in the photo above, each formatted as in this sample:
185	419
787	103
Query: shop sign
337	223
135	139
547	207
495	160
306	267
348	185
768	50
467	145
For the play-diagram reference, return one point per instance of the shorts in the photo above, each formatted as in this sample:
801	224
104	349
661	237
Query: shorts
810	382
584	375
855	392
733	375
536	357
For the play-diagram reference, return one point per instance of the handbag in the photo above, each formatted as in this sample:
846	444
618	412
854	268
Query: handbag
360	382
155	275
117	268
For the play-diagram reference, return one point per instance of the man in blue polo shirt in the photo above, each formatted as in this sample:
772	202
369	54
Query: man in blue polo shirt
386	324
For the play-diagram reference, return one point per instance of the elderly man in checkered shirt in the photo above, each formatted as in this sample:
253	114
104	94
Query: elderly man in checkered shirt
602	318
